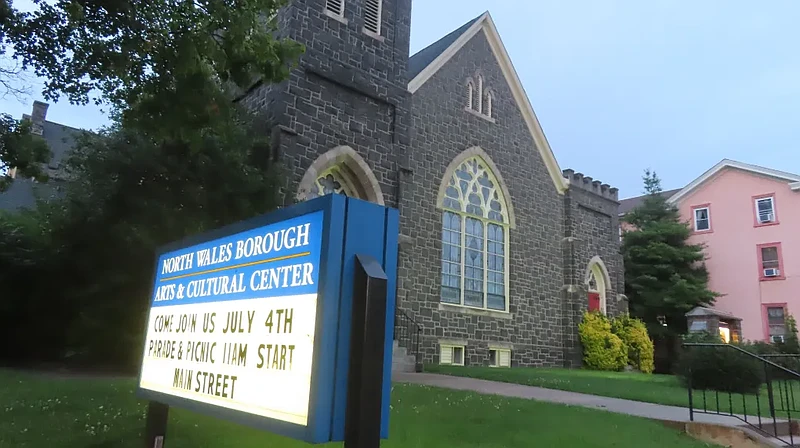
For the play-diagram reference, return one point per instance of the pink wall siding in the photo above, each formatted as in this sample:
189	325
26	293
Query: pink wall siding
733	242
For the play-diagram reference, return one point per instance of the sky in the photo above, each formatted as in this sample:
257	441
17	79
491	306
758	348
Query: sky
624	85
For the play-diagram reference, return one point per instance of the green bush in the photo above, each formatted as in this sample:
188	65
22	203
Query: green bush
719	368
633	333
602	349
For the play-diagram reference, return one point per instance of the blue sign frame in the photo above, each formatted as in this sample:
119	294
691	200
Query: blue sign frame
349	227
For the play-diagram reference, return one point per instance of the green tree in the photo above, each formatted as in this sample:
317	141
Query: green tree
157	63
180	158
21	151
665	275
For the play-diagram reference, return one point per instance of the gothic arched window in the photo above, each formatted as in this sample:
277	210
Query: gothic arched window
475	239
332	180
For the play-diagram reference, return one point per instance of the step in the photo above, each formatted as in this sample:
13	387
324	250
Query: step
782	426
779	443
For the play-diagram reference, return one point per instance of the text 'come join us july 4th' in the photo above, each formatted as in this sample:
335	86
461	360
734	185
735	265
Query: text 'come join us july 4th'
228	338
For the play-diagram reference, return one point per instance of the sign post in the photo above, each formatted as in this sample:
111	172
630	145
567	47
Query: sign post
156	425
363	420
267	322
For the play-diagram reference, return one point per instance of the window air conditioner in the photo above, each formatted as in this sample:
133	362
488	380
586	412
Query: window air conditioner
771	272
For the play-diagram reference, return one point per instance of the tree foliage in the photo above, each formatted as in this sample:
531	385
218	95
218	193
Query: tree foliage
20	150
159	55
180	158
665	275
81	267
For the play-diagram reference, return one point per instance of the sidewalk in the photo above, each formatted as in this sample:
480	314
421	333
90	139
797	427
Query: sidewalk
618	405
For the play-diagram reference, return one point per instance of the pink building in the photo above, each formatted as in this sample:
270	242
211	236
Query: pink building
748	217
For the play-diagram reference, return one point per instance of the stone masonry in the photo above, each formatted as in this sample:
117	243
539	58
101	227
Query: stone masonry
348	104
349	90
442	129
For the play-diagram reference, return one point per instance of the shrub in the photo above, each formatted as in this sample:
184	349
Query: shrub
719	368
633	333
602	349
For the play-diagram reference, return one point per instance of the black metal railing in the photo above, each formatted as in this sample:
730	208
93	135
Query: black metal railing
408	334
771	405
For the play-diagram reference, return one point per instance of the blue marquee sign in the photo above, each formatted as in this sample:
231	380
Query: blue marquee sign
252	322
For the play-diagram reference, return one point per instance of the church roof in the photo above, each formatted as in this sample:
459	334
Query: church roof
427	55
430	60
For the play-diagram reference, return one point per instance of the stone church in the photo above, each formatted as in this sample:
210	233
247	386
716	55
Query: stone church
501	251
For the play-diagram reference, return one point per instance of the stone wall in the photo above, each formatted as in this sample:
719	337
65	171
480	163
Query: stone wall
592	230
442	130
349	89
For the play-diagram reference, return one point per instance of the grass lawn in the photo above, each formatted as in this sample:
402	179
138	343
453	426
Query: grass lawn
38	411
661	389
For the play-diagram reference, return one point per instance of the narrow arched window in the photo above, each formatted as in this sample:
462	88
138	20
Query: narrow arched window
479	107
475	239
335	7
372	15
470	95
487	105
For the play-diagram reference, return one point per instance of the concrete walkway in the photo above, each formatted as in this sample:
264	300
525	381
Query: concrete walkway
618	405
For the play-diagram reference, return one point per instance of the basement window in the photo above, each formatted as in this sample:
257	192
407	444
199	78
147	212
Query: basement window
499	357
451	355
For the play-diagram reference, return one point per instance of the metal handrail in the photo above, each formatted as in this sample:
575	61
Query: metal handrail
782	401
702	344
408	334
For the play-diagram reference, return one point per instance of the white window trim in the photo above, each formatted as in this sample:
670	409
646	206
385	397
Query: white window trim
453	348
480	94
376	33
334	15
771	200
708	213
470	94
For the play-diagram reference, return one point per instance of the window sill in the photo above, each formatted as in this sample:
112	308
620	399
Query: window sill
375	36
772	279
478	114
766	224
336	17
475	311
701	232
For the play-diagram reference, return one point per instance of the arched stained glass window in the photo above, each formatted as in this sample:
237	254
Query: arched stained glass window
332	180
474	239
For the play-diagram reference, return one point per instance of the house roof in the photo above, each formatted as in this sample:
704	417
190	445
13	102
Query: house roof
430	60
629	204
703	311
23	192
792	179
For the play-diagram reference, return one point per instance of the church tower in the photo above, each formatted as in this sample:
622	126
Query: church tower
341	121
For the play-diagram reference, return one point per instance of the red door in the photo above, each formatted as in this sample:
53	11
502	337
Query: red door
594	301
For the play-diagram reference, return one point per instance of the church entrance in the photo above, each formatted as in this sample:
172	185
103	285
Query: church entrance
594	301
596	285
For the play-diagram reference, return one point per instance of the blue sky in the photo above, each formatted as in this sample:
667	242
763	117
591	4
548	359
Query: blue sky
624	85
